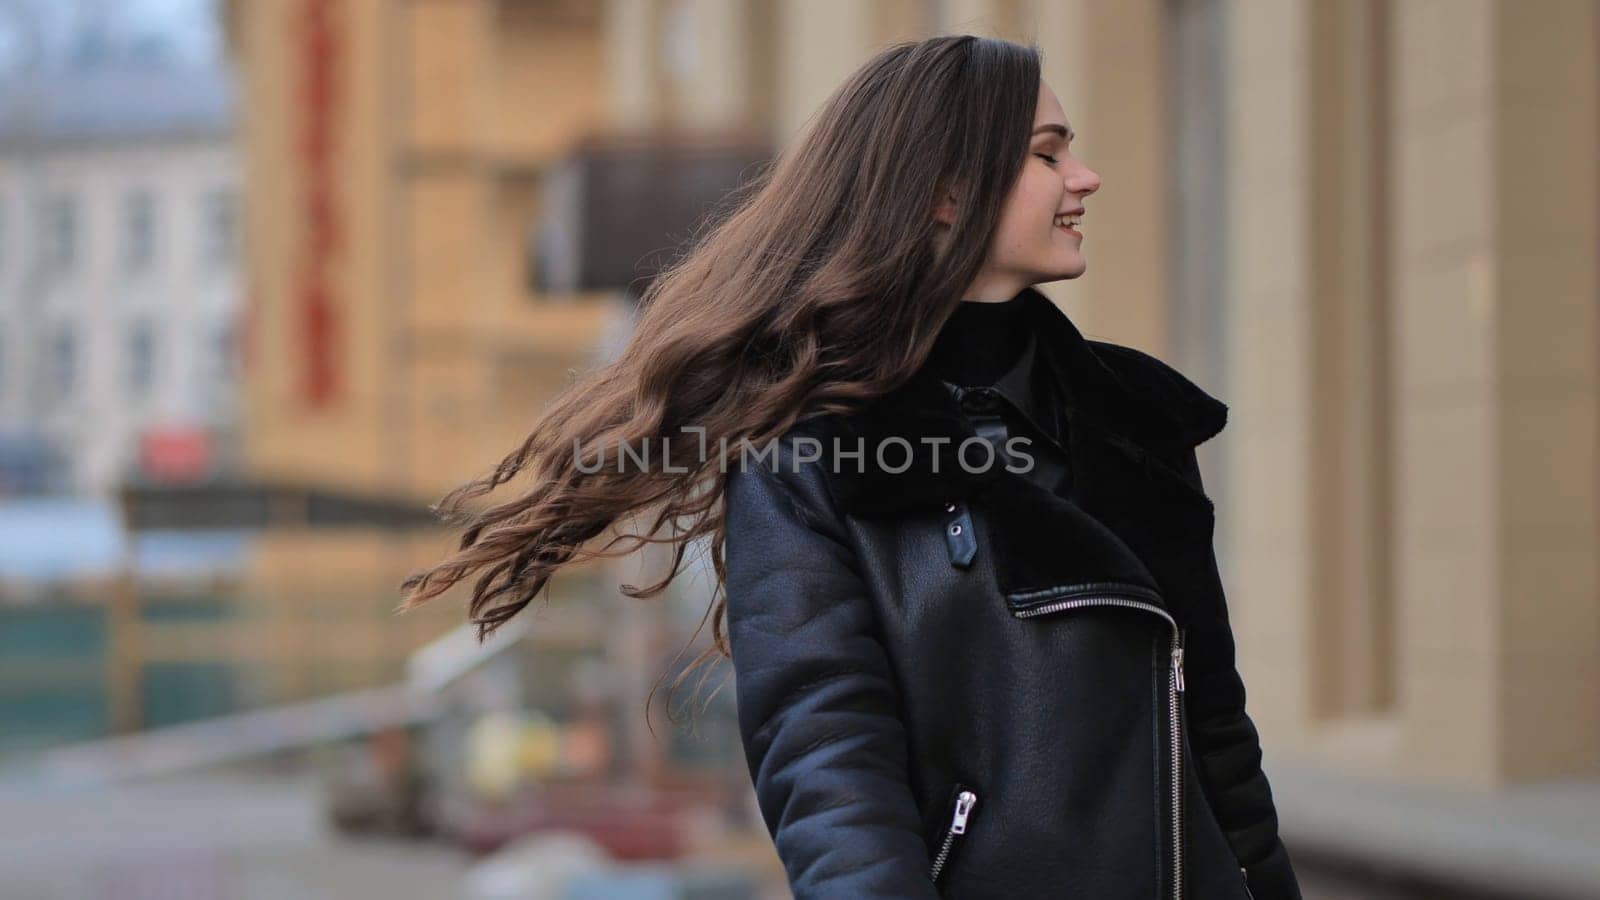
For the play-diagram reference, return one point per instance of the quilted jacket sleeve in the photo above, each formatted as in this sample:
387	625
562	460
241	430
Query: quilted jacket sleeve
1229	747
817	706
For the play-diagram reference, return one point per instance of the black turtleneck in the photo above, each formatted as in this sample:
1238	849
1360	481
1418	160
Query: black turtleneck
980	341
992	345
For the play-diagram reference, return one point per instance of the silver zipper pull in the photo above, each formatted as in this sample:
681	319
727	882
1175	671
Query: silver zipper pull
964	803
1177	665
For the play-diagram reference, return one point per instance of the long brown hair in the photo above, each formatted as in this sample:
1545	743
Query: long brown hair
819	288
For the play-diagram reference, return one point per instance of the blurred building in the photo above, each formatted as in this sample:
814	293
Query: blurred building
119	287
406	163
394	153
1369	226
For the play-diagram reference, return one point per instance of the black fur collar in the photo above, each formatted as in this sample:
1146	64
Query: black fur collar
1127	397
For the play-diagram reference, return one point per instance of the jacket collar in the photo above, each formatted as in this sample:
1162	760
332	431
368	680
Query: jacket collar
1018	386
1131	398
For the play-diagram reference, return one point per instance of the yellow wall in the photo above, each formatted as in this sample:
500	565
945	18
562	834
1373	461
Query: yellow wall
445	115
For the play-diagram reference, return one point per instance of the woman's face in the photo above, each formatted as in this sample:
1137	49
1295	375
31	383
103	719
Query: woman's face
1033	242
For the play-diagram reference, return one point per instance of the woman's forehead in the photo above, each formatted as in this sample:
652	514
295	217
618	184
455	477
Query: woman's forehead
1049	108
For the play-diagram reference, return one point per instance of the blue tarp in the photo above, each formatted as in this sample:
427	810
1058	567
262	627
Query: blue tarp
56	538
50	538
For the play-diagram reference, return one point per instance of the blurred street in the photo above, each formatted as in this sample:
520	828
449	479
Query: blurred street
241	835
252	833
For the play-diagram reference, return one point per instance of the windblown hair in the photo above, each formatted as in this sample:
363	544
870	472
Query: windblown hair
821	287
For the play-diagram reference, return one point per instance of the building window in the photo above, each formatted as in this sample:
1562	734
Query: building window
64	362
60	233
138	230
222	354
141	360
219	221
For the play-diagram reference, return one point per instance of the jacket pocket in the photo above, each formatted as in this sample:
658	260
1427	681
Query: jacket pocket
963	800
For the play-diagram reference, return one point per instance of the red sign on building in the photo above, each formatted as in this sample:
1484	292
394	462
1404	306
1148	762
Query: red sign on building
175	453
317	318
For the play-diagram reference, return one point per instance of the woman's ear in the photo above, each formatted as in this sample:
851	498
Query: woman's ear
945	212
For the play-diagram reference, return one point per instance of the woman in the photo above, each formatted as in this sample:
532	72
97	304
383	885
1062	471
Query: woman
980	644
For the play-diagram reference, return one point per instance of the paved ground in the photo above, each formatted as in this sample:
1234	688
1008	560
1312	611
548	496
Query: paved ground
205	838
1528	842
260	836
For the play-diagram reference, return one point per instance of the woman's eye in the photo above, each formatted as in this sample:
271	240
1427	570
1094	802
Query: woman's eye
1047	158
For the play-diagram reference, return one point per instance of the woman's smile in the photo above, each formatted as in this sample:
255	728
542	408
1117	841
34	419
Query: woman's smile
1065	222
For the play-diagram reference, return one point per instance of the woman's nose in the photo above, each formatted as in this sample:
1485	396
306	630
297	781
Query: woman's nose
1084	181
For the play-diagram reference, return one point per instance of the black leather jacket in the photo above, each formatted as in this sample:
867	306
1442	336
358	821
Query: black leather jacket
955	682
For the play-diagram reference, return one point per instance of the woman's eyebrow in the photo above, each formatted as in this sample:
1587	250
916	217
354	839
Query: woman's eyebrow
1062	130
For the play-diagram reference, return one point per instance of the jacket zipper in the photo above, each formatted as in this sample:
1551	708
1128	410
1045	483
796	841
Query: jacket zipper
958	825
1246	876
1174	687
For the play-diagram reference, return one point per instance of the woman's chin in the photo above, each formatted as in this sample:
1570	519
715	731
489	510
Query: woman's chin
1072	269
1064	267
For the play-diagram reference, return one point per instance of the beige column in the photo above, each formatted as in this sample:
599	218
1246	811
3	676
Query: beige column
1448	573
1544	319
1498	390
1266	519
1349	228
1061	29
987	18
904	20
707	62
826	41
633	64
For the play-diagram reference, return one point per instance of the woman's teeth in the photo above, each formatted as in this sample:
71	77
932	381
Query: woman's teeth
1068	221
